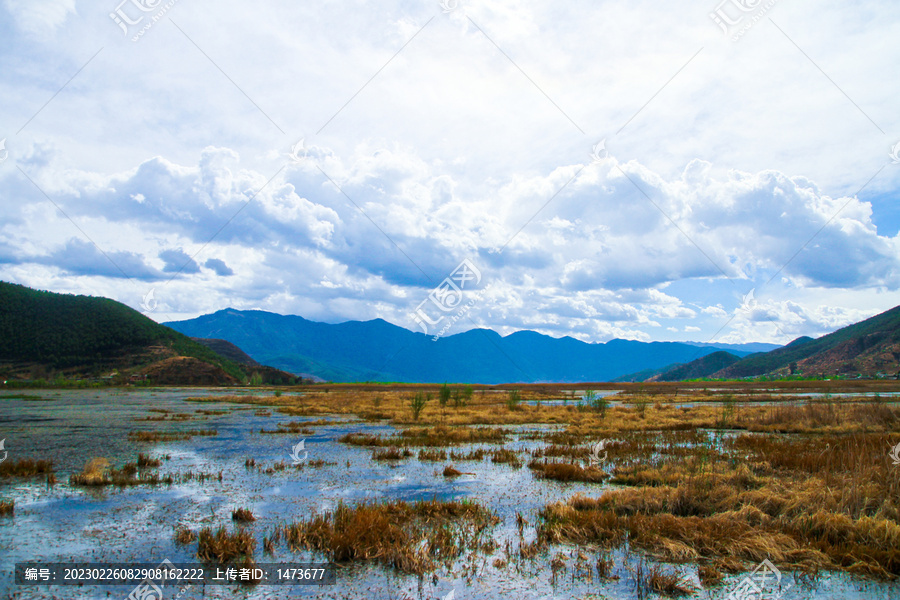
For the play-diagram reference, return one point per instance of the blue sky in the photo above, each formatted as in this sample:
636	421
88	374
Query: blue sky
339	160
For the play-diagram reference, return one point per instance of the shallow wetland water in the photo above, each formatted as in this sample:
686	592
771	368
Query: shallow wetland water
64	523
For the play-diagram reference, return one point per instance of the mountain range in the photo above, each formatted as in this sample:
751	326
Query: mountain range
45	335
379	351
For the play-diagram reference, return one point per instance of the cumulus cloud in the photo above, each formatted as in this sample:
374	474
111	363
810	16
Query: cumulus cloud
725	181
177	261
78	257
219	267
594	266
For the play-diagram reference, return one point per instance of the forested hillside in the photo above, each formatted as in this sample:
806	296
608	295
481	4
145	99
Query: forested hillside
85	333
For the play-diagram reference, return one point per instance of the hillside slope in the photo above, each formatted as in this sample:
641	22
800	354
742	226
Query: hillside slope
84	336
864	348
702	367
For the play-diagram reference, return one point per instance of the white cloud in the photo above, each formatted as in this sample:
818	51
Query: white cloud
458	149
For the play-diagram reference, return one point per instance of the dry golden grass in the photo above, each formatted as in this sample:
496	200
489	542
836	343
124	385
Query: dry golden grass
411	537
26	467
98	472
7	508
169	436
505	456
392	453
809	486
566	471
184	536
434	437
223	546
242	515
812	504
476	454
145	462
668	584
432	455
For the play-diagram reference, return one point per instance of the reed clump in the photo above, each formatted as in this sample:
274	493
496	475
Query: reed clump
392	453
169	436
25	467
432	455
506	456
411	537
223	546
242	515
561	471
98	472
184	536
815	503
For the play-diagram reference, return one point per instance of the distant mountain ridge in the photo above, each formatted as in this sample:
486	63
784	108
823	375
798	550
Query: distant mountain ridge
379	351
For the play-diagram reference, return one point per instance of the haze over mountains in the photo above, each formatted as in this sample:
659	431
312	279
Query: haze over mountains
379	351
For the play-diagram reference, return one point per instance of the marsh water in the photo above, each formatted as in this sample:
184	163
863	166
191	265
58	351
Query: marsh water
63	523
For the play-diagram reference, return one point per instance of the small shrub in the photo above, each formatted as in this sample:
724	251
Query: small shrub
513	400
641	402
598	403
7	508
417	403
444	395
